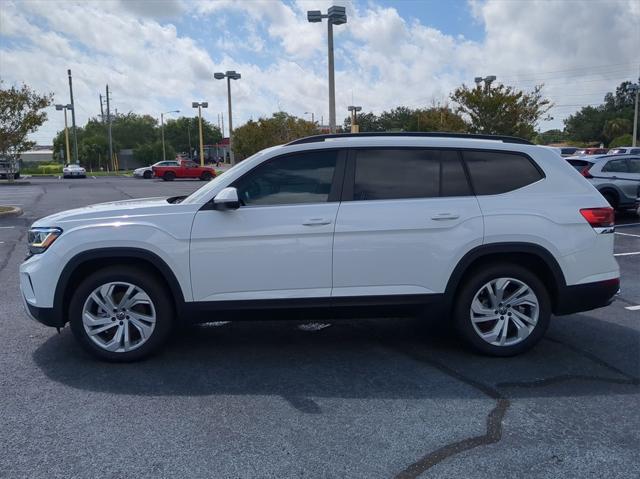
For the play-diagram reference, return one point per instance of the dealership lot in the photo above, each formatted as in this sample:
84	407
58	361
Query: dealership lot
373	398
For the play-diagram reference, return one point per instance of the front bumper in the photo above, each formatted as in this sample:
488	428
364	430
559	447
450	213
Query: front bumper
585	297
46	316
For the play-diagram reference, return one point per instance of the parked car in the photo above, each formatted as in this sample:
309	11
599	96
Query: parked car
625	150
72	170
591	151
492	233
146	172
184	169
568	150
6	169
617	178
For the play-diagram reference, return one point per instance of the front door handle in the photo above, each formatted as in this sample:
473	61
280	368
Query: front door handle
317	222
445	216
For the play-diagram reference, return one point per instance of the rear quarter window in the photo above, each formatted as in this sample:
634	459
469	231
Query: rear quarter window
495	172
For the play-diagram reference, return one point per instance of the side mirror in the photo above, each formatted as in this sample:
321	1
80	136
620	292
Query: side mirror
227	199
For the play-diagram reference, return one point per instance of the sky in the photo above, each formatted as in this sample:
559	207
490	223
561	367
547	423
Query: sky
160	55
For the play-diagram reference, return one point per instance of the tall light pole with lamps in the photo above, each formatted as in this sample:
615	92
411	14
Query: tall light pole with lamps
164	152
354	118
229	75
487	81
312	116
335	16
200	106
66	129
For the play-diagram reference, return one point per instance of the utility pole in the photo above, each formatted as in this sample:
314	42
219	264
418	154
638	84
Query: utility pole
101	109
189	134
73	120
109	128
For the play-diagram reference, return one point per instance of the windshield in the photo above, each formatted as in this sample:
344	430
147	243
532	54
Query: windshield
199	195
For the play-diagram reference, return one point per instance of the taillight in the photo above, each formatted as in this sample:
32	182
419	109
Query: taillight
585	172
599	217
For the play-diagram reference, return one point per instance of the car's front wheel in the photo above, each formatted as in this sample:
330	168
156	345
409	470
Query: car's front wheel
121	314
146	175
502	310
206	176
169	176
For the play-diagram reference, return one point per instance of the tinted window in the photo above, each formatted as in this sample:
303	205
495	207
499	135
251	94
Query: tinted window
616	166
393	174
634	165
190	164
299	178
578	164
496	172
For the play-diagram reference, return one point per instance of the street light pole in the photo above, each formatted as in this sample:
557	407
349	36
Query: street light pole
164	153
229	75
354	118
73	119
66	130
335	16
635	119
199	106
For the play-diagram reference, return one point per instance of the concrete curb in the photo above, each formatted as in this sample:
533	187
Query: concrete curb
15	183
13	211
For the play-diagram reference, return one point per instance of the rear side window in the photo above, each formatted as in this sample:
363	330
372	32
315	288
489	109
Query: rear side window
385	174
494	172
616	166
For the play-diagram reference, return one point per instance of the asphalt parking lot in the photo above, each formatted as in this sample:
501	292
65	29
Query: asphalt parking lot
370	398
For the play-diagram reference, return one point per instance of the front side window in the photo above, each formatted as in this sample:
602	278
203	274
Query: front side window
616	166
303	177
495	172
634	165
385	174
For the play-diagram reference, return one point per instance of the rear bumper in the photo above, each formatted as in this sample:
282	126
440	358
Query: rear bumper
585	297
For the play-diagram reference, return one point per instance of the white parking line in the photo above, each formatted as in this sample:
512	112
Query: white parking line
627	234
6	227
627	254
627	225
633	308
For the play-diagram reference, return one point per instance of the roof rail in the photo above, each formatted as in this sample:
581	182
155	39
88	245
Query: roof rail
429	134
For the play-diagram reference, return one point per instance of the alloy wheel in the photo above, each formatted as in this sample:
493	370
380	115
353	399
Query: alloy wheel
504	311
119	316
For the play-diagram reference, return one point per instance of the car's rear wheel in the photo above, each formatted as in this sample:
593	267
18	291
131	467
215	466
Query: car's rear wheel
206	176
502	310
121	314
611	198
169	176
146	175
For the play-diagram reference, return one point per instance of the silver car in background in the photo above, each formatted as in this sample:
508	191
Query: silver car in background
617	177
146	172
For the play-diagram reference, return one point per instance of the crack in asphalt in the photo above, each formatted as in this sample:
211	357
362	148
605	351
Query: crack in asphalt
494	428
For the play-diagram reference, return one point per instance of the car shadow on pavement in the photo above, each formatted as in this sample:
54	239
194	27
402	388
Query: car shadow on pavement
408	359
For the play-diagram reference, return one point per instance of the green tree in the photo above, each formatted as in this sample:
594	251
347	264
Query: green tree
151	153
437	118
616	127
21	113
178	131
366	121
131	130
622	140
550	136
501	110
254	136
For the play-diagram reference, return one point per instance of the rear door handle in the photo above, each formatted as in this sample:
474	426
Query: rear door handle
317	222
445	216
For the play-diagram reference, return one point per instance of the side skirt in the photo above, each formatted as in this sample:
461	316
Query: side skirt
315	308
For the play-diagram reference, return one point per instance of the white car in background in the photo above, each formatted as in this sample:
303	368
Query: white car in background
74	171
146	172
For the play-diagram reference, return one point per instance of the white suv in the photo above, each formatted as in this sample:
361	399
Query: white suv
493	232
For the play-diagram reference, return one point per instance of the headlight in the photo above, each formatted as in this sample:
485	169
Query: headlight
41	238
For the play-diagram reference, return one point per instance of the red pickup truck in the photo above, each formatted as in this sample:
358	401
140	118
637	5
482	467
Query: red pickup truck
185	169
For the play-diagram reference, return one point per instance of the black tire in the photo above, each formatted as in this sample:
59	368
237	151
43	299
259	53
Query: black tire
147	175
169	176
206	176
472	285
611	198
158	294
